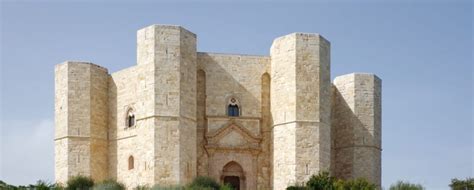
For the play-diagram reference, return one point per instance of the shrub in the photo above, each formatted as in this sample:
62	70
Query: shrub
80	183
297	187
57	186
42	185
109	185
467	184
403	185
141	187
321	181
359	184
159	187
204	183
226	187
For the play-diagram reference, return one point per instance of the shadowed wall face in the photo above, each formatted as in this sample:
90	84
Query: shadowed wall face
356	123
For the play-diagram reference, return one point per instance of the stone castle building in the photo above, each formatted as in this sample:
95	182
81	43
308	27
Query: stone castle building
256	122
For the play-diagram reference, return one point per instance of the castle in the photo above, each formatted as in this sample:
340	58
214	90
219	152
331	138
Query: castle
255	122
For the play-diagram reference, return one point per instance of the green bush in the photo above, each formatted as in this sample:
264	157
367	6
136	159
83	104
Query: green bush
204	183
226	187
403	185
297	187
142	187
467	184
43	185
80	183
109	185
321	181
359	184
57	186
159	187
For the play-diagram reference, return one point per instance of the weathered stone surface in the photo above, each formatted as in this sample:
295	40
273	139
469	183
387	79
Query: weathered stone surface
356	127
284	131
81	124
300	101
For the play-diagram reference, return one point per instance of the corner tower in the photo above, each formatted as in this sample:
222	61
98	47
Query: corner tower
300	106
80	121
171	53
356	127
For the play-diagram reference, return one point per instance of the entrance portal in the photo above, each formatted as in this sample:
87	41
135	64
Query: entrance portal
233	181
233	174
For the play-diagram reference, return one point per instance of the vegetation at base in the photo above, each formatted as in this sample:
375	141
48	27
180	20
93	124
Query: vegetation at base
323	181
40	185
80	183
297	187
457	184
202	182
199	183
160	187
109	185
403	185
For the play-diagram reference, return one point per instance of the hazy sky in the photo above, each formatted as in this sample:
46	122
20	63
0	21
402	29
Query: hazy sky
422	51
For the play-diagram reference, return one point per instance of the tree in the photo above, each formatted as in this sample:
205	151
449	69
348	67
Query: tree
467	184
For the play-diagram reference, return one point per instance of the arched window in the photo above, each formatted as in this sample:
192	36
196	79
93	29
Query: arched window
130	121
131	163
233	108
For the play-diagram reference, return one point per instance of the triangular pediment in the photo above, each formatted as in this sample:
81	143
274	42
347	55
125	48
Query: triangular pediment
232	139
232	136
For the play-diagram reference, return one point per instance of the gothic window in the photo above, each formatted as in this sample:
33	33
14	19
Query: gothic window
130	121
131	163
233	108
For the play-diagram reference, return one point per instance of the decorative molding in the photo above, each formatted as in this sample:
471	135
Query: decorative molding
167	117
252	144
358	146
122	138
80	137
298	121
225	117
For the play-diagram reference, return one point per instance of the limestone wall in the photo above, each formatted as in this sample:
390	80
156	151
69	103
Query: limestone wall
187	105
292	122
161	89
61	123
132	88
201	154
300	102
99	122
238	76
81	121
172	51
357	127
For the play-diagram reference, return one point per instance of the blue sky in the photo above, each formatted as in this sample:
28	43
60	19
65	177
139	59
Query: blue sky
421	50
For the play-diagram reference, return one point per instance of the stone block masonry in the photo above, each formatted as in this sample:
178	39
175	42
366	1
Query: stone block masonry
167	119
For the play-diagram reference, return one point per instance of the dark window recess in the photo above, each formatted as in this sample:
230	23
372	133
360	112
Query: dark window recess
233	110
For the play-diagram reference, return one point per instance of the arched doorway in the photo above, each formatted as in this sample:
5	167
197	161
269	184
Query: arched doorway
233	174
